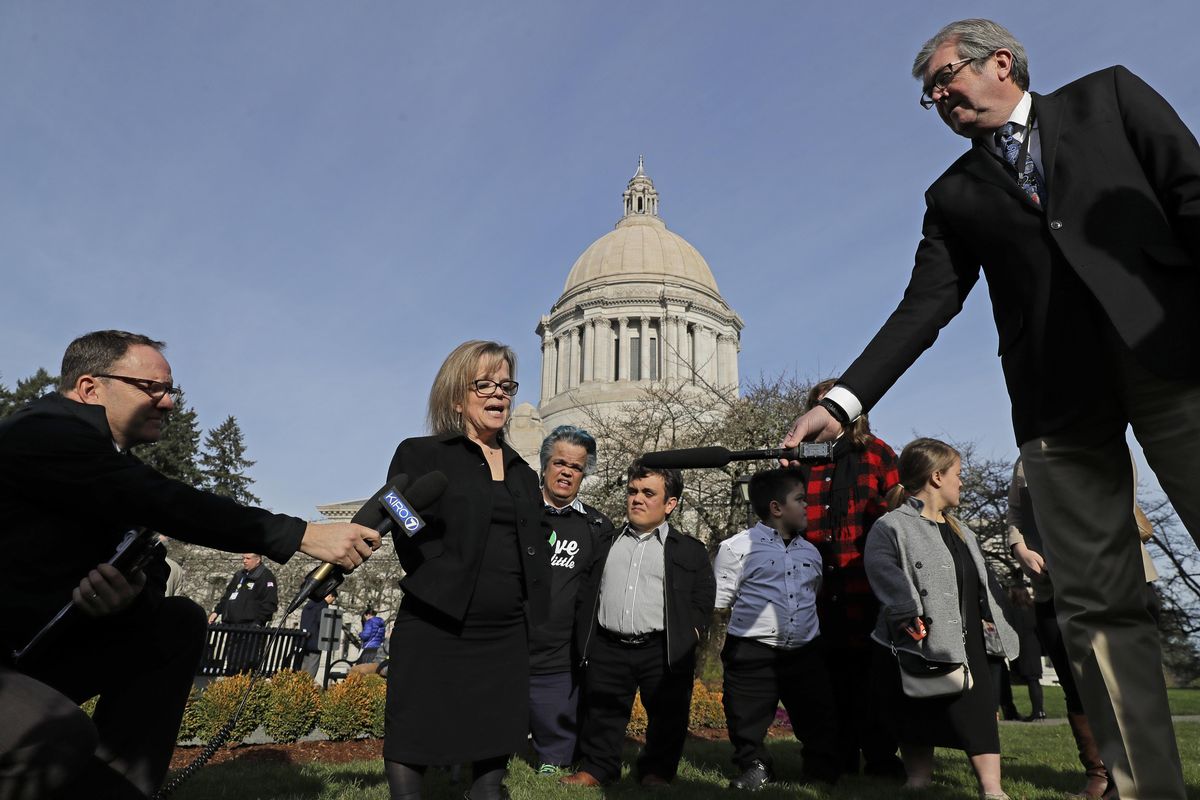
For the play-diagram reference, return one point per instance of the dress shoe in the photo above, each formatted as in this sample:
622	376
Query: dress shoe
580	778
652	781
1011	714
753	778
1036	716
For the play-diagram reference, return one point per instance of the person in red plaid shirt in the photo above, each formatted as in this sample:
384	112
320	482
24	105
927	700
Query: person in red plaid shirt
845	497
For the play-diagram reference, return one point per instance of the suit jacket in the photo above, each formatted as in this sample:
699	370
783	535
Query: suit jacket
442	561
67	497
688	584
1116	249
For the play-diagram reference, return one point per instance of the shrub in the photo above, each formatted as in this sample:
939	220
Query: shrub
637	718
353	706
707	708
293	705
217	704
189	725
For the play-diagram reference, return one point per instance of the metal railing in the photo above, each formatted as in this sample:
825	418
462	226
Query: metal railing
239	648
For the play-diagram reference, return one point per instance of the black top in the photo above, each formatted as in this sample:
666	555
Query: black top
310	623
573	543
442	562
250	598
499	591
67	496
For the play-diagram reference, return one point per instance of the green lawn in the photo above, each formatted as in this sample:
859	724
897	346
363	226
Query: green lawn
1038	761
1183	701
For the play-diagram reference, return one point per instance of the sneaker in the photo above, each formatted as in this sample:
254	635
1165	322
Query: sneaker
753	778
552	770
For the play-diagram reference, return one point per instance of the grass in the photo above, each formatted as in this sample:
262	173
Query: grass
1038	763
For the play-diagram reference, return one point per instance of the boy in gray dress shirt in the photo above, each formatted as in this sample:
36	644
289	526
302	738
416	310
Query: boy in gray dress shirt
768	576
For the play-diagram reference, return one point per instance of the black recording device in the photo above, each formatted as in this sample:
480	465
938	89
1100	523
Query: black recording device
715	457
138	547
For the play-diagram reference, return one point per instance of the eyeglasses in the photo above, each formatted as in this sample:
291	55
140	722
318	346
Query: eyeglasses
941	79
488	388
155	389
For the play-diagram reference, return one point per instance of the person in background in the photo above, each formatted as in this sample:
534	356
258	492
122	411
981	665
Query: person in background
576	530
937	603
768	577
845	497
373	629
251	597
310	623
1027	667
477	577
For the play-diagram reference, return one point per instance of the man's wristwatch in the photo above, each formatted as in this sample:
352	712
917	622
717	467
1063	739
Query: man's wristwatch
835	411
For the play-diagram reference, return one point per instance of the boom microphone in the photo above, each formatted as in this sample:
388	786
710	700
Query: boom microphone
387	509
701	457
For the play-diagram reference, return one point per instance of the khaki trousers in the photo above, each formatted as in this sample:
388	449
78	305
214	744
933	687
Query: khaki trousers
1082	489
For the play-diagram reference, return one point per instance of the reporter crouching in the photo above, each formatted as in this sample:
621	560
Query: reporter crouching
458	681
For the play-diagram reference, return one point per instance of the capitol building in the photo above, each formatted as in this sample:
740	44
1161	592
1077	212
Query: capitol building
640	308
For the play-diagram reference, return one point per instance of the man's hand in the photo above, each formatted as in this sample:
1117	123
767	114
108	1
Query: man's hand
1032	563
212	618
341	543
106	591
815	425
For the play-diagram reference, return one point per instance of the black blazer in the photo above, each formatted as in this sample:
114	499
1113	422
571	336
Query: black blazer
688	585
1116	248
442	561
67	497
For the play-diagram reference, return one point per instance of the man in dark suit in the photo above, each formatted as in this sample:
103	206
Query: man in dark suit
69	489
642	608
1082	206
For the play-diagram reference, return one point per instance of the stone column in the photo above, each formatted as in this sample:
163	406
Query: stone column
603	350
548	366
623	348
588	341
645	354
573	376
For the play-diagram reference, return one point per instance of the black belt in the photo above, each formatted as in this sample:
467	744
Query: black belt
631	641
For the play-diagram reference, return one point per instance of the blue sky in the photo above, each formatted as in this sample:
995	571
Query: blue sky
314	202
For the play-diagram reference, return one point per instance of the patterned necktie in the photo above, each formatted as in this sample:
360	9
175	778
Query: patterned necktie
1028	179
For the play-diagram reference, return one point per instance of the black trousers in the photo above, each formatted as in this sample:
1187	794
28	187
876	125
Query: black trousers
141	664
614	673
757	679
863	728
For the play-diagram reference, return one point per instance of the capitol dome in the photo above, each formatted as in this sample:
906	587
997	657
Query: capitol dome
640	308
641	248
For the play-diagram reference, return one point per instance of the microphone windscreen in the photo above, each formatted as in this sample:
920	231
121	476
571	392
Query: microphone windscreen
426	489
372	513
688	458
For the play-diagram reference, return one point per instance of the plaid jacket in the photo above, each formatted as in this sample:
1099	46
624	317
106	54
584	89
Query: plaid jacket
846	607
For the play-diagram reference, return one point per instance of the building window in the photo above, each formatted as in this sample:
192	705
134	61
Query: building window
635	358
654	359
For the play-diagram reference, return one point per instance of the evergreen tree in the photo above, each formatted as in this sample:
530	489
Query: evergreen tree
224	463
176	451
31	388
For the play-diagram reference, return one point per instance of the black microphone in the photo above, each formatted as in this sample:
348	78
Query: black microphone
702	457
379	514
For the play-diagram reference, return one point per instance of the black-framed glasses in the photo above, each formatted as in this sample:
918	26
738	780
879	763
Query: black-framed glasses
155	389
941	79
488	388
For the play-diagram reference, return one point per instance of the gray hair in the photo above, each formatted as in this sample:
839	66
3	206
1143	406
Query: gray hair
571	435
977	39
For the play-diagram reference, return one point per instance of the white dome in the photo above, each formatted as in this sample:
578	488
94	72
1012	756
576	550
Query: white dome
641	246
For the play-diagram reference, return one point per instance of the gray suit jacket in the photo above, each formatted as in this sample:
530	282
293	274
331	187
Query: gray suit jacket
912	574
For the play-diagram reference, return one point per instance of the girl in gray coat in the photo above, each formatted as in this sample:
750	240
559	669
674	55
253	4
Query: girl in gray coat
929	575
